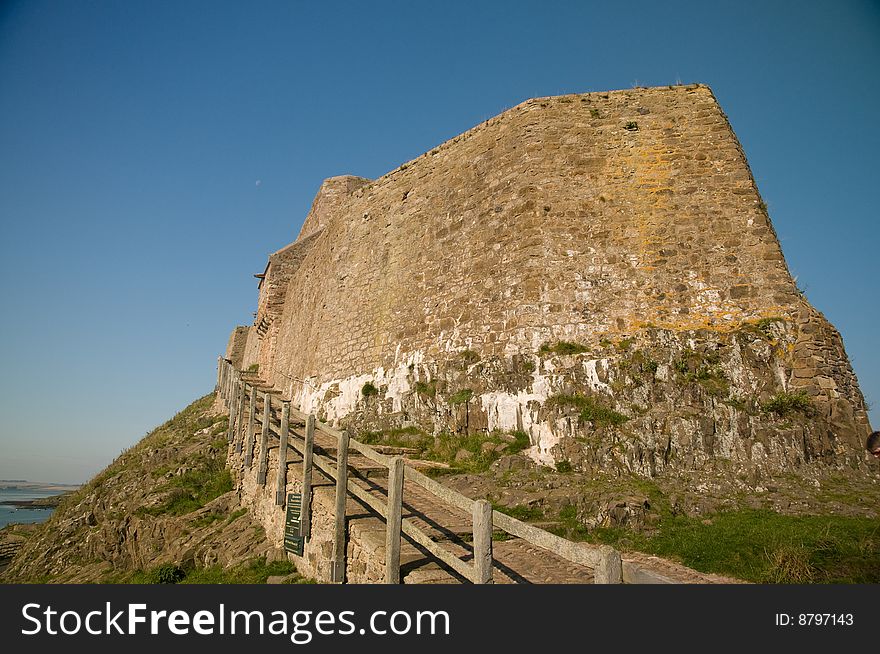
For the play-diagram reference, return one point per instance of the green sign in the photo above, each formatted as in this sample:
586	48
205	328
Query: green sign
293	541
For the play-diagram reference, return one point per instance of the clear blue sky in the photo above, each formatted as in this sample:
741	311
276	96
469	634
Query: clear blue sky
133	135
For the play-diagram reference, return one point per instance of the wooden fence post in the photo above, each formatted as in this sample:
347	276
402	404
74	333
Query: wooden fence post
281	480
482	514
309	443
233	407
393	521
263	467
239	432
239	413
609	569
249	452
338	563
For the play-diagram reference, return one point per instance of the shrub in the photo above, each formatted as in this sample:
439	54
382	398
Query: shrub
562	348
785	403
368	390
167	574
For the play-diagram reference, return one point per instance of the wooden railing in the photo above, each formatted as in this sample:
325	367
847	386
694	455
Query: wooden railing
8	550
239	392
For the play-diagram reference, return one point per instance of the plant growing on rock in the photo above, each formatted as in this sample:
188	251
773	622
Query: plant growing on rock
369	390
703	368
591	409
427	389
785	403
461	397
563	348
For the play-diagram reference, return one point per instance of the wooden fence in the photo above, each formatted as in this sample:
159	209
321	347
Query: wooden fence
241	395
8	550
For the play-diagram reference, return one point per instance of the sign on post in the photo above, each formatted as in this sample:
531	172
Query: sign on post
293	541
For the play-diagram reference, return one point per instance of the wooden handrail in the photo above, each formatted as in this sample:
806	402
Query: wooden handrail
235	385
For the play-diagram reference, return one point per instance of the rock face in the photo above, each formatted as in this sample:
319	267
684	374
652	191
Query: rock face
597	270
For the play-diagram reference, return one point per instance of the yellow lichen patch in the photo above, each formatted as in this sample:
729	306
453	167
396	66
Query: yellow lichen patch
711	323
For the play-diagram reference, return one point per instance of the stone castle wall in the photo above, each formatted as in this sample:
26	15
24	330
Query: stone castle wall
596	218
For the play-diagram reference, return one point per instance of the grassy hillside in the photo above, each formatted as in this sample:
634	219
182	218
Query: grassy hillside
163	511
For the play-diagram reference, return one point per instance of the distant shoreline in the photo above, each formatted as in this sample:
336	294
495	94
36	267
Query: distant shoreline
50	502
15	484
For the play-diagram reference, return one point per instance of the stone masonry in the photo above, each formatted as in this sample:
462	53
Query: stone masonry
627	222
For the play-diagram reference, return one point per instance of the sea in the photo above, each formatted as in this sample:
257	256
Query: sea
10	513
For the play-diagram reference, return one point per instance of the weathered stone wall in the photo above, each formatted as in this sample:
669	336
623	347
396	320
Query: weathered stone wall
365	553
235	348
604	217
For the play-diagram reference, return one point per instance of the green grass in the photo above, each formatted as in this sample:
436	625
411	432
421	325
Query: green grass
235	515
591	409
220	427
468	357
254	367
562	348
207	519
784	403
444	447
564	467
761	546
402	437
256	571
461	397
703	368
569	525
521	441
624	344
193	489
427	389
520	511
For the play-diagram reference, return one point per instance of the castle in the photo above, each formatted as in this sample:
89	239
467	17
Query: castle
596	270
